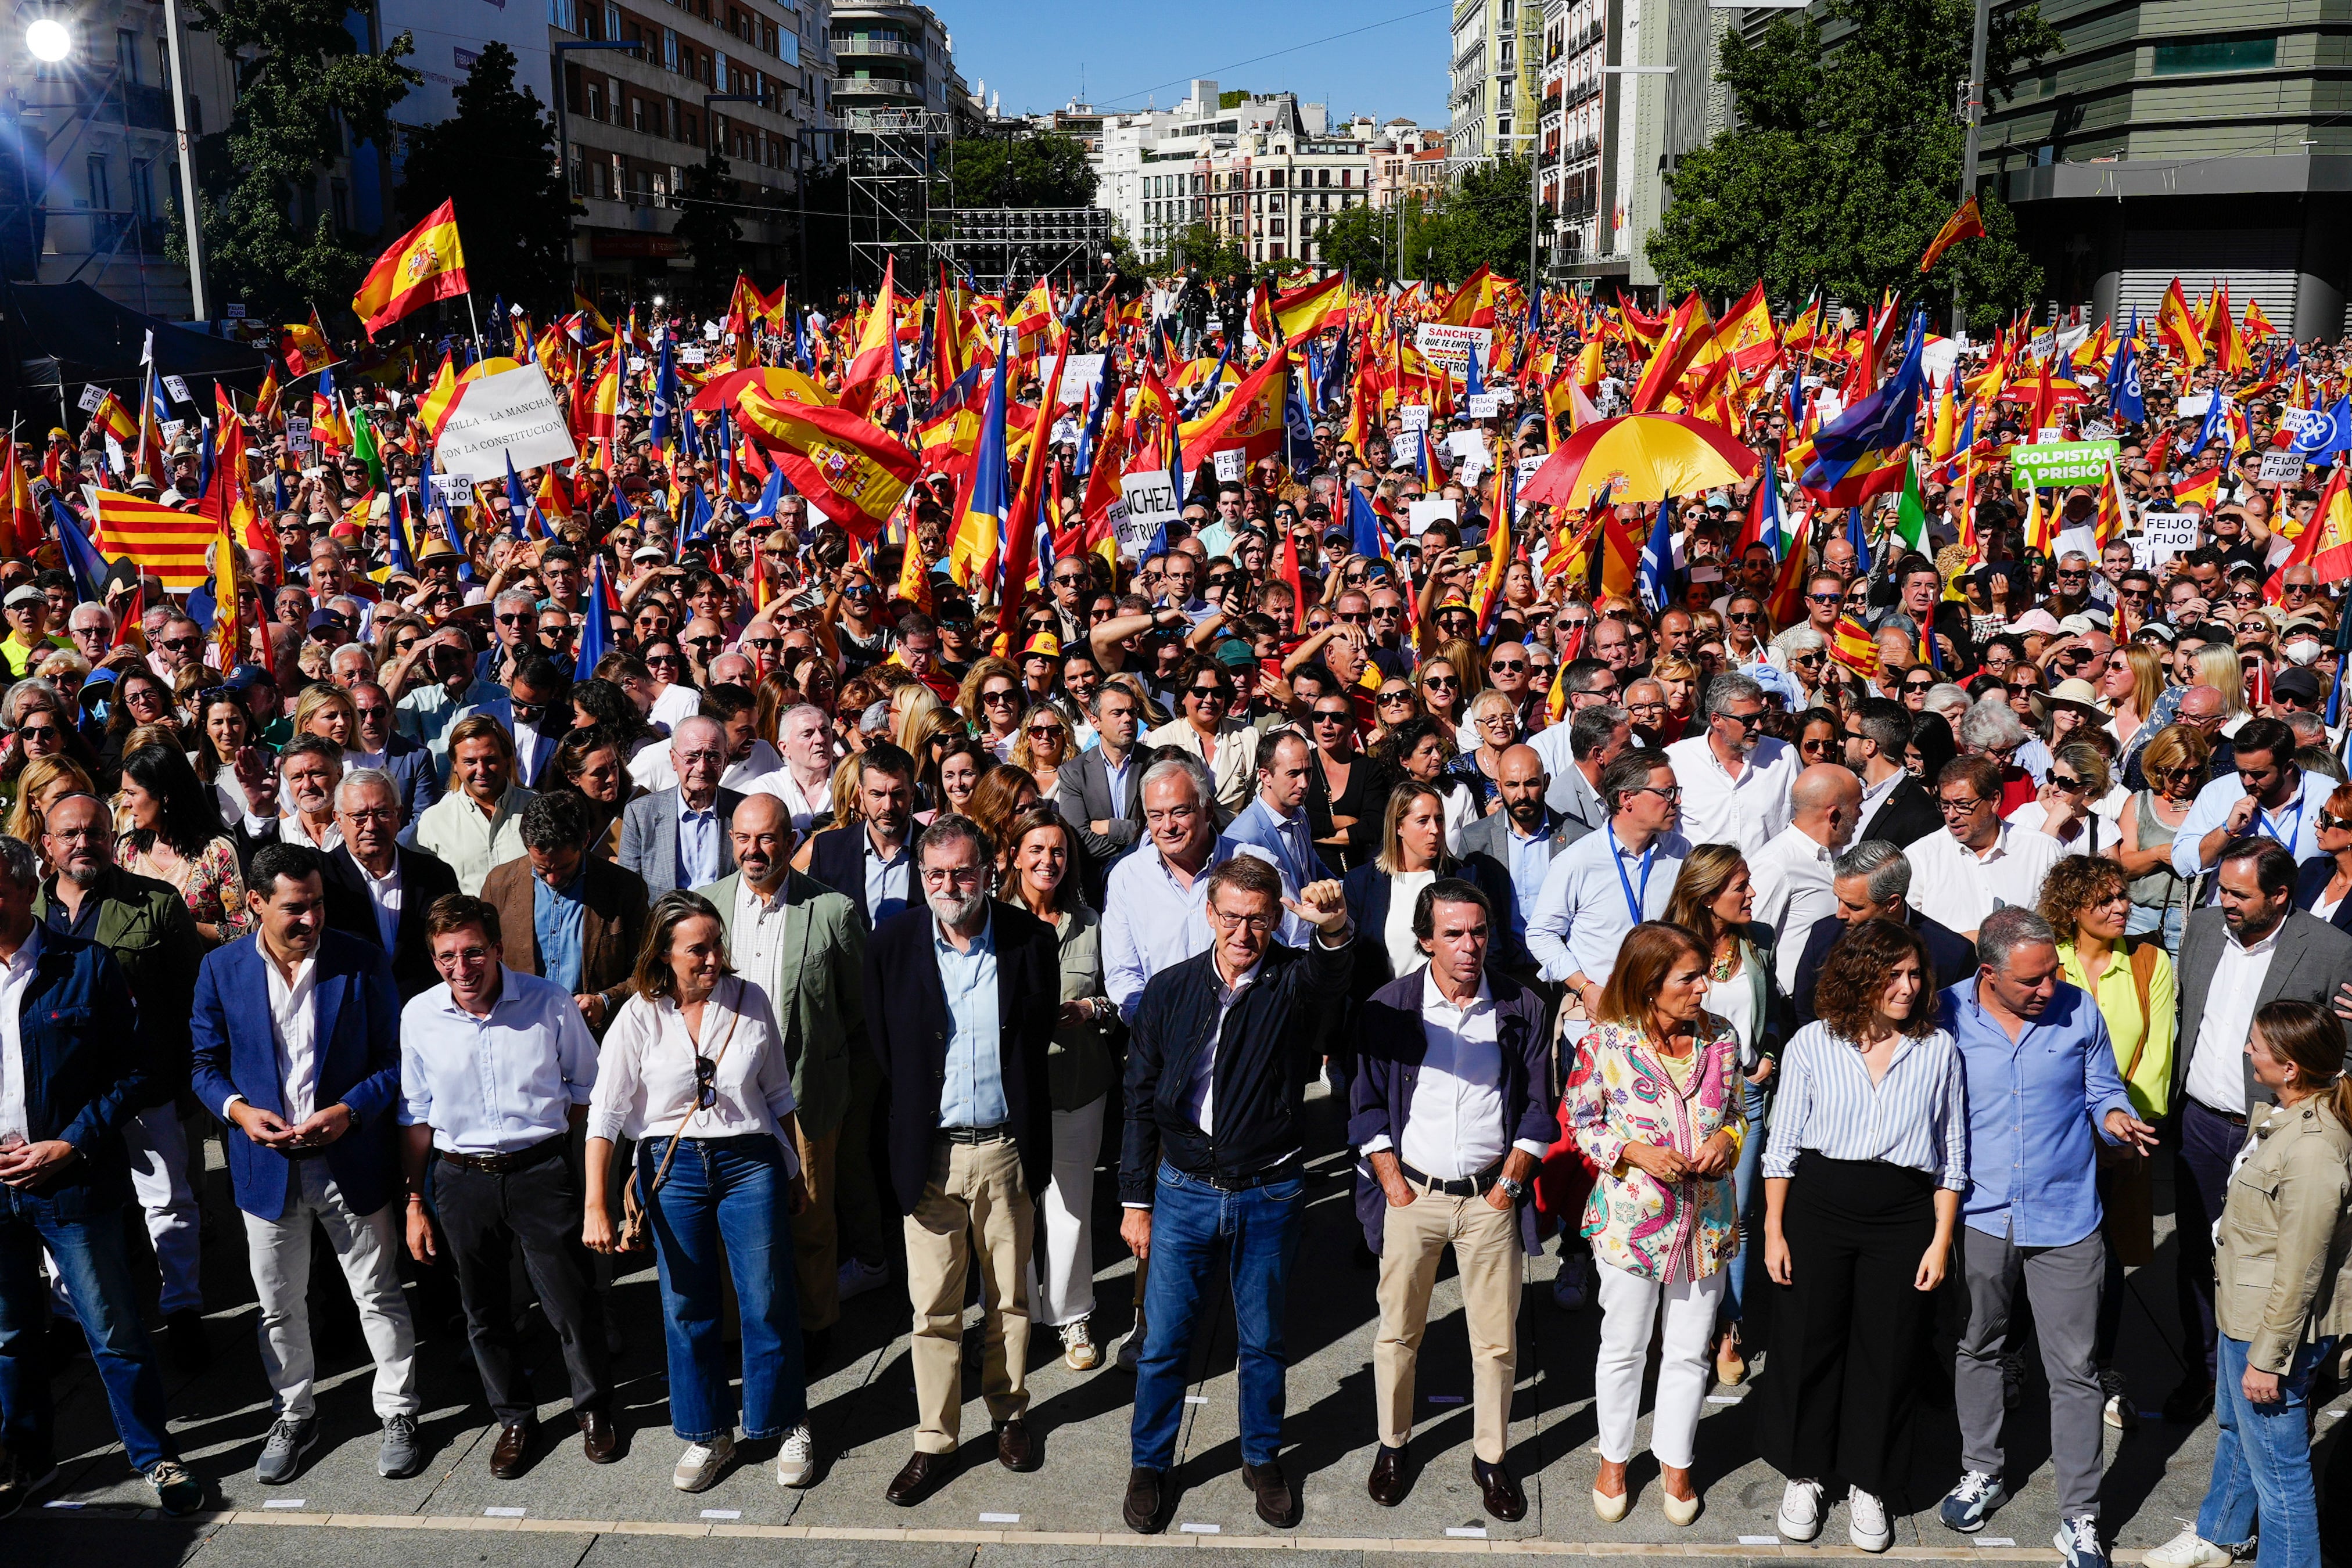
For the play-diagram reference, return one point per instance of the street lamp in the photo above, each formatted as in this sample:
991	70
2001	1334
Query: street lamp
48	40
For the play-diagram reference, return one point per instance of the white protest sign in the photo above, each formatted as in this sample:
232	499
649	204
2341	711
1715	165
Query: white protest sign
2078	538
1507	396
1484	405
1466	446
453	491
172	428
1404	448
691	355
1529	468
297	430
2193	405
711	329
1414	415
2162	536
2097	430
233	312
510	417
1450	348
91	396
1231	463
178	389
1078	378
1147	504
2281	468
2293	420
1423	513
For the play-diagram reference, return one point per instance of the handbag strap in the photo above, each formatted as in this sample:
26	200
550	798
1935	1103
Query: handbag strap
669	1154
2143	968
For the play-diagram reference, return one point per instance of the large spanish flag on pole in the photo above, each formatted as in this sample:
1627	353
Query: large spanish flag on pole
1968	223
158	539
1302	313
854	473
424	264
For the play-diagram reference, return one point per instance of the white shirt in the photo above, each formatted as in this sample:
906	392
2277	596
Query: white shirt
1404	949
806	806
1718	809
2217	1073
646	1073
1151	923
385	893
674	705
1734	1001
757	934
500	1083
470	839
1958	888
1792	879
529	743
1201	1092
653	769
294	1031
1586	908
293	829
13	978
1454	1128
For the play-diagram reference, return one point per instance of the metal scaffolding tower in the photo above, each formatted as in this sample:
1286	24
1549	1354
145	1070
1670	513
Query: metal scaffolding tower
1011	247
895	157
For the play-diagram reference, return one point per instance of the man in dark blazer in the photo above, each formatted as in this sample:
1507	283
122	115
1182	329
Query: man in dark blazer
380	744
2254	926
679	837
377	888
1871	881
88	1068
870	863
580	893
962	994
1455	1175
297	1047
1895	806
1101	790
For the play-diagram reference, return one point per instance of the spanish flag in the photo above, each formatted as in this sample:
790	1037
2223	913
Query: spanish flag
1303	312
161	539
423	265
856	474
2197	489
115	419
2177	326
20	519
1745	334
1965	224
2326	543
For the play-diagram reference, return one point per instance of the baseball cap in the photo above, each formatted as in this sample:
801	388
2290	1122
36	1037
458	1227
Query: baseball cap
1044	643
2302	685
24	594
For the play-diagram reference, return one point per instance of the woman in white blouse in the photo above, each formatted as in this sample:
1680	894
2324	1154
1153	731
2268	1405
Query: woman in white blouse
696	1070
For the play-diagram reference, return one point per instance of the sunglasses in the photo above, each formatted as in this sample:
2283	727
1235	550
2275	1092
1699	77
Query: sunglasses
1917	685
1738	618
1324	716
1441	683
705	641
1209	694
1036	729
1508	666
2066	783
2327	824
997	699
1395	699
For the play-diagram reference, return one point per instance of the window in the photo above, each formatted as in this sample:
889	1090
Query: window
339	198
126	53
670	48
612	24
563	14
142	188
636	113
102	189
2230	55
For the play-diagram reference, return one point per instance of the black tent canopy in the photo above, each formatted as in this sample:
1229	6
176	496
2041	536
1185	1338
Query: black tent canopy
60	338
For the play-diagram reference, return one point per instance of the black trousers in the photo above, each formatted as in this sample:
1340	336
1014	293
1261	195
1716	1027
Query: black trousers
484	1217
1848	1328
2210	1142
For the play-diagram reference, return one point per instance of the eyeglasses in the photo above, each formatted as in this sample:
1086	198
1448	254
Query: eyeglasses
1258	925
463	956
961	875
386	814
1744	720
1959	807
1671	794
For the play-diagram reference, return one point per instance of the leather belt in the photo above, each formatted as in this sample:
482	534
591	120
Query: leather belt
2233	1118
1464	1187
1001	1133
1227	1183
507	1164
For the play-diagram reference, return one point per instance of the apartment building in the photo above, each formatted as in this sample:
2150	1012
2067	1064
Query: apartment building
1495	69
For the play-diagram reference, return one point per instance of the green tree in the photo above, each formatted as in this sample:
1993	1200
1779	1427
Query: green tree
307	94
1358	241
1845	164
1048	171
707	228
1198	245
495	161
1483	220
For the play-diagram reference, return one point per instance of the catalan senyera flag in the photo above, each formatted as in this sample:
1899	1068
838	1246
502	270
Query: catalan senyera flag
1853	647
858	474
1965	224
1303	312
423	265
158	539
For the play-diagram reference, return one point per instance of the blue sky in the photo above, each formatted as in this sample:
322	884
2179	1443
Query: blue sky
1033	52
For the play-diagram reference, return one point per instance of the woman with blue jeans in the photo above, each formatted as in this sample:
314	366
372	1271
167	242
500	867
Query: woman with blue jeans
2281	1297
1715	900
696	1070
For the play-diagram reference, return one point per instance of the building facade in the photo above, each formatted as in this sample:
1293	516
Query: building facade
1496	66
899	57
2198	142
1408	163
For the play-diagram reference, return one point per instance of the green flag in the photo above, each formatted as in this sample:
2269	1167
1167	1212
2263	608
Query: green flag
1911	511
363	448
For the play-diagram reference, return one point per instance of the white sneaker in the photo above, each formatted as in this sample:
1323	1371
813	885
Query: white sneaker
1078	1346
1800	1517
854	1278
1866	1524
2188	1549
698	1467
796	1460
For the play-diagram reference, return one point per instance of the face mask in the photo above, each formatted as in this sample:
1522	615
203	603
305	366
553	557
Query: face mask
2305	651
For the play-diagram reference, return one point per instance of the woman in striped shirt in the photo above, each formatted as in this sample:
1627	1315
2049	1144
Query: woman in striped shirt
1862	1176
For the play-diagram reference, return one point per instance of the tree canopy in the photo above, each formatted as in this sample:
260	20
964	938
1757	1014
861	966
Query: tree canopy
1846	160
495	161
1048	171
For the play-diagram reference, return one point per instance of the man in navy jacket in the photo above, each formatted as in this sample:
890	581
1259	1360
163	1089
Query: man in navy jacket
73	1073
297	1035
1223	1046
1453	1110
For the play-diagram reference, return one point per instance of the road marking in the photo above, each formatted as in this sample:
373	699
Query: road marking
1471	1532
1996	1540
503	1512
1760	1540
722	1513
1000	1519
1189	1528
285	1503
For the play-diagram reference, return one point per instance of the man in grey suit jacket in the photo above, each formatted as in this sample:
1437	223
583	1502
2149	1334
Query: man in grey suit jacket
1573	753
1101	791
2254	948
679	837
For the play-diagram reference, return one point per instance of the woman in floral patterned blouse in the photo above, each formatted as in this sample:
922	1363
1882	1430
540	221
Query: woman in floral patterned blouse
1656	1108
172	833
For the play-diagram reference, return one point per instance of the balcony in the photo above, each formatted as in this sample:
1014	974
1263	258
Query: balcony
877	87
847	43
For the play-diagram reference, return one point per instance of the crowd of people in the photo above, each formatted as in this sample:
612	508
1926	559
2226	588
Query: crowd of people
599	893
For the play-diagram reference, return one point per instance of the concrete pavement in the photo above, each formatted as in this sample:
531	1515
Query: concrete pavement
862	1405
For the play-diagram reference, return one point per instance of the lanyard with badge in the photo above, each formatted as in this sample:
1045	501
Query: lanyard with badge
1634	905
2268	823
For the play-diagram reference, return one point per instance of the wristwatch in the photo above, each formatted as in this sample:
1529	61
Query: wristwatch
1513	1189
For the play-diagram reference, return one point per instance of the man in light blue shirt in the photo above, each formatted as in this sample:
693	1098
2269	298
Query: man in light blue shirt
2267	796
428	713
1277	820
2042	1091
973	1093
1601	886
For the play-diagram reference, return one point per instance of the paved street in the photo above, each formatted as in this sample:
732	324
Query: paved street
565	1511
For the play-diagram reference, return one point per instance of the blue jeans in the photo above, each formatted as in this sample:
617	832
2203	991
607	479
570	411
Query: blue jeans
1748	1193
730	1192
1260	1226
2261	1463
91	1262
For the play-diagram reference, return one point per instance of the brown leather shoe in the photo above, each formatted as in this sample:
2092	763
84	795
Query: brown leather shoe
1389	1482
1503	1496
513	1448
599	1439
1277	1504
1014	1449
1146	1502
918	1479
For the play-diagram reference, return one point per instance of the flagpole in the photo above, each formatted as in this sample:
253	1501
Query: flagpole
479	352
